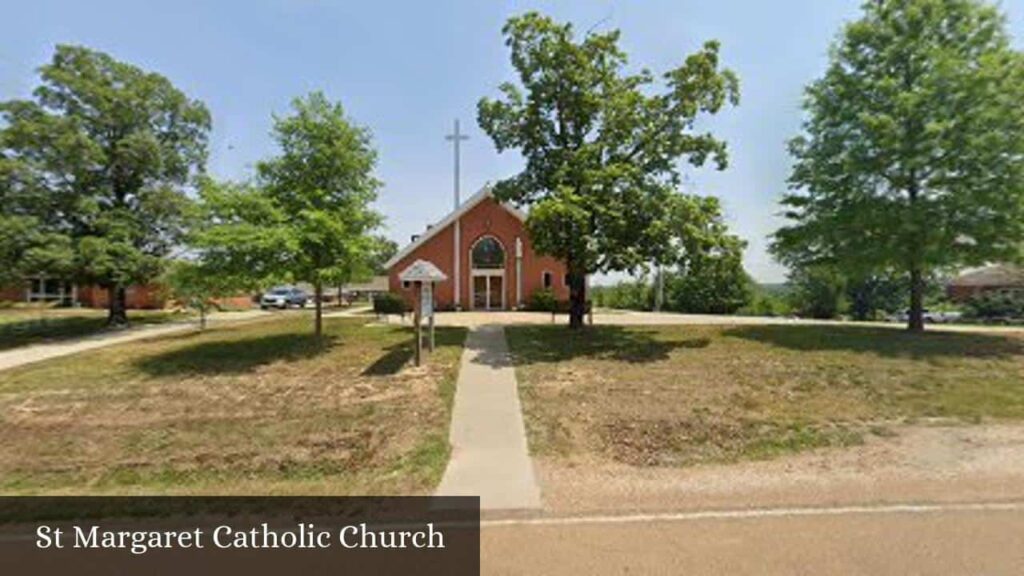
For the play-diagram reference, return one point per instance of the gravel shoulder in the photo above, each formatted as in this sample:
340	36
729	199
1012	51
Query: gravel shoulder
917	464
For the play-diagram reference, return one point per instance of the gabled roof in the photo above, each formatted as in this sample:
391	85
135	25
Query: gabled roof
469	204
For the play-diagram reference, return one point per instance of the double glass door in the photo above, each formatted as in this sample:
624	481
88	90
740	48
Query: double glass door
488	293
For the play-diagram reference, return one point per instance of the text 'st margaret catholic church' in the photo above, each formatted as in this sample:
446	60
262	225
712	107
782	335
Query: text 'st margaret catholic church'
485	251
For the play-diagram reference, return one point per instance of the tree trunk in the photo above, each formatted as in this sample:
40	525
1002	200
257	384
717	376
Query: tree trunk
577	299
202	318
117	314
318	293
915	320
659	289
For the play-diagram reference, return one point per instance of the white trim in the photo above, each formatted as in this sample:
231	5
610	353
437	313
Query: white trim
481	238
519	272
487	273
458	258
484	193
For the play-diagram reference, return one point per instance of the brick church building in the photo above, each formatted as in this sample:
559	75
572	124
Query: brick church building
486	253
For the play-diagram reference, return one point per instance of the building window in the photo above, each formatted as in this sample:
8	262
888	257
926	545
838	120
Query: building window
488	254
565	280
546	280
43	289
406	284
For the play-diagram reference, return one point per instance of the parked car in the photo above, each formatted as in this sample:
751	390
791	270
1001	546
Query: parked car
284	297
929	317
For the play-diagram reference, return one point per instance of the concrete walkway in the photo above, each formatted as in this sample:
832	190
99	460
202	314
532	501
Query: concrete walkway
38	352
489	456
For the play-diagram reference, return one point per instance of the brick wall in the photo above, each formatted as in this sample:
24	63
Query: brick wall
488	218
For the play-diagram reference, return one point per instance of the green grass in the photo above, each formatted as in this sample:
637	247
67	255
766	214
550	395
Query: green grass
24	326
680	395
255	408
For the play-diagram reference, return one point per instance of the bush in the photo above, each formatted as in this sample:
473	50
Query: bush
766	303
389	303
817	292
719	286
626	295
1003	304
542	300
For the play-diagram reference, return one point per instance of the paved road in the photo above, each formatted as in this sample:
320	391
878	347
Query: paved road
489	456
632	318
969	539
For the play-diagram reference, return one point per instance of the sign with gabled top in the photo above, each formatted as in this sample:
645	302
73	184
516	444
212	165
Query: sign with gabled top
422	271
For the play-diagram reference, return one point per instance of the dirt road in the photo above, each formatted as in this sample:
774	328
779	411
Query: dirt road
945	539
929	500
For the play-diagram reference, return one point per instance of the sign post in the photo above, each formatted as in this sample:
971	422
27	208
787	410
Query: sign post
418	319
427	307
422	275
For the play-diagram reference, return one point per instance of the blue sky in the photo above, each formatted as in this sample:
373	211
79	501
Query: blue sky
407	69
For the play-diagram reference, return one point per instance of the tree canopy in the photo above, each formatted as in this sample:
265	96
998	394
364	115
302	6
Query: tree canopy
912	153
308	216
93	172
602	147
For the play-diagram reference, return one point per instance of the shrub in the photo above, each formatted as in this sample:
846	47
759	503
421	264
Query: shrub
389	303
766	303
626	295
817	292
542	300
993	305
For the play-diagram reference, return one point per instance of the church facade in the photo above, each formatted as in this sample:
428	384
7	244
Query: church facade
487	255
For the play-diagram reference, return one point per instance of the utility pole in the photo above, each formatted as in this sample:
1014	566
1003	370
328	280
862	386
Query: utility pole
456	137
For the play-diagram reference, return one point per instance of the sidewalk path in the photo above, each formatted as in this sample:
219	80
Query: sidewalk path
37	352
489	457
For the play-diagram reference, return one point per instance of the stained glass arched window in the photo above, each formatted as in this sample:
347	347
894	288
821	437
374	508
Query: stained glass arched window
488	253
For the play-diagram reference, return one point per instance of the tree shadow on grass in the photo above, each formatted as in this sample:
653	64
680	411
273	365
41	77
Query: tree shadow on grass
888	342
399	354
536	344
235	356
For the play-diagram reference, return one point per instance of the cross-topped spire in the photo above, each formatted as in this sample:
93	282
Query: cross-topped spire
456	137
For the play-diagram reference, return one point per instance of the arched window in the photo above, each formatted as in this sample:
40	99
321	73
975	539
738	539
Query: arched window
488	254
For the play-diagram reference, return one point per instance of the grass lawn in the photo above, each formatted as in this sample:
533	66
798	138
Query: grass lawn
680	395
254	408
24	326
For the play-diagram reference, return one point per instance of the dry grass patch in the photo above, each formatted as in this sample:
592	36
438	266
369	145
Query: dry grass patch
35	325
678	395
256	408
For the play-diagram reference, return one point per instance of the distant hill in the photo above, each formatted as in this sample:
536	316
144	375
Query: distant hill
774	288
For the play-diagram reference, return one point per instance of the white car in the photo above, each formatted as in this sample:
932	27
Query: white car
283	297
929	317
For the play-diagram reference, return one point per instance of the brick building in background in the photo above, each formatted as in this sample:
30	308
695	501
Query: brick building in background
487	255
992	278
42	289
153	296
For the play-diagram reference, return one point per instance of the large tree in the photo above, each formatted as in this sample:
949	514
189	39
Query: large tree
308	218
602	147
912	154
96	167
711	282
